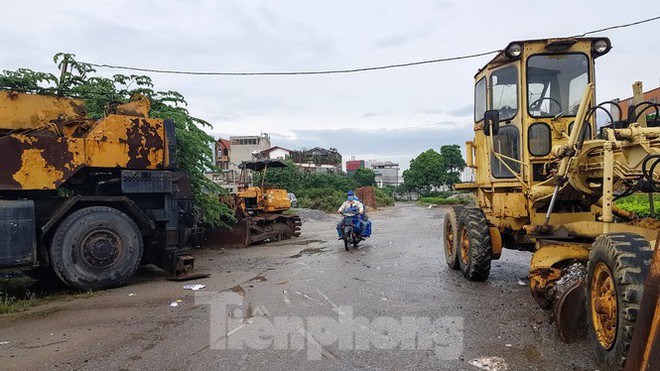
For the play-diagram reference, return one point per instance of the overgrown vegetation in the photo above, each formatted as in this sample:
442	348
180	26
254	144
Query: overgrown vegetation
384	196
10	303
639	204
80	81
323	191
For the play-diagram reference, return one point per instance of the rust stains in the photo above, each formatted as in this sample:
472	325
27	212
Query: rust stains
11	149
142	139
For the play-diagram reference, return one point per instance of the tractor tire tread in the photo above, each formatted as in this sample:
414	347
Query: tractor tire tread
480	254
628	256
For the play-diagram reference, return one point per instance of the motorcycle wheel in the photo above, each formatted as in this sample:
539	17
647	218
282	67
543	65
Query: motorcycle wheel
346	243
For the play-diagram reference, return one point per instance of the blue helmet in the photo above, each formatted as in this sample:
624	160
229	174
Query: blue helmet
350	193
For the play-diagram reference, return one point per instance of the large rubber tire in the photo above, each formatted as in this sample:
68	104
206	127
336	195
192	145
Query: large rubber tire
348	231
625	257
96	248
451	236
475	252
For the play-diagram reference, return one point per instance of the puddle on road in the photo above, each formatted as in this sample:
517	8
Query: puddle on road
309	251
259	278
238	289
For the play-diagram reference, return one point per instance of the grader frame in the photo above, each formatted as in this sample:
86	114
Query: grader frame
545	181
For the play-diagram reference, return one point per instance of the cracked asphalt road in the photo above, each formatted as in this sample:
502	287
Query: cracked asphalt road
310	281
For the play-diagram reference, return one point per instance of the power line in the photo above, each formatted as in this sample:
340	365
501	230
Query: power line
620	26
340	71
323	72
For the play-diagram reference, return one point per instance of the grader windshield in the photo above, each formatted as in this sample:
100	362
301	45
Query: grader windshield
555	83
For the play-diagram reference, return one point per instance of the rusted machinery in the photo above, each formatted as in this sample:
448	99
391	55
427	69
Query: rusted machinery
546	178
644	351
91	199
259	211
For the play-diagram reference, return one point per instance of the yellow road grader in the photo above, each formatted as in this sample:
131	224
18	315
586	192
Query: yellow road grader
546	178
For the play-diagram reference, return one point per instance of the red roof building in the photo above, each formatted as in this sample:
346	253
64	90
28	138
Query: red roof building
222	148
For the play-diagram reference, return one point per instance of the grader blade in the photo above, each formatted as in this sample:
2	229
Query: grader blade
570	312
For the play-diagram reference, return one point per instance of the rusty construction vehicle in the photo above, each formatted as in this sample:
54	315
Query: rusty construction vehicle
546	178
91	199
259	210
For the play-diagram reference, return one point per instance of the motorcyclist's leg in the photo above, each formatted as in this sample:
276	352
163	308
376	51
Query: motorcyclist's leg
339	229
363	226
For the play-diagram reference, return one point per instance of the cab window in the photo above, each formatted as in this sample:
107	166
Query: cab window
480	100
504	92
507	143
555	84
539	139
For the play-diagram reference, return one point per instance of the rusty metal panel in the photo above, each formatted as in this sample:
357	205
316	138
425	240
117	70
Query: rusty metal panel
644	353
44	161
30	111
38	162
128	142
238	236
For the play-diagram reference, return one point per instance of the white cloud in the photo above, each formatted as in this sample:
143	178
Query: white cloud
260	35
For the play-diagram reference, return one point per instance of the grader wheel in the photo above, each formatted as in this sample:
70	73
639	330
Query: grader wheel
618	264
451	237
475	246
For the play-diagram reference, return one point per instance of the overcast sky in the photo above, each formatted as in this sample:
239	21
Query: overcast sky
384	115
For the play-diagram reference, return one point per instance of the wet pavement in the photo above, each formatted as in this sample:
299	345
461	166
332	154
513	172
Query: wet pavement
306	304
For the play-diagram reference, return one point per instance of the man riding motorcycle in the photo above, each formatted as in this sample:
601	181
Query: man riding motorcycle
351	205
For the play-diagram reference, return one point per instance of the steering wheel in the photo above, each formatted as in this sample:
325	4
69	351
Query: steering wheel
536	105
506	112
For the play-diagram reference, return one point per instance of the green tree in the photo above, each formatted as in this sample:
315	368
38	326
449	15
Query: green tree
289	177
454	163
364	177
426	171
194	145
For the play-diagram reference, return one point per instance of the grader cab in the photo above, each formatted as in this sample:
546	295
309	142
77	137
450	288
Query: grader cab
546	178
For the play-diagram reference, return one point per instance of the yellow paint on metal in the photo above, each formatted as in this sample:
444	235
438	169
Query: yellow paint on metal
38	175
603	305
63	140
30	111
552	252
495	242
465	246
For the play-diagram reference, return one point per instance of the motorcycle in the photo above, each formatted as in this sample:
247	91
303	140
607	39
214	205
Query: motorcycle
351	231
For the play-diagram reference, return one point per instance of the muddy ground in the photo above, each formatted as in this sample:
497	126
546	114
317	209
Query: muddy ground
305	304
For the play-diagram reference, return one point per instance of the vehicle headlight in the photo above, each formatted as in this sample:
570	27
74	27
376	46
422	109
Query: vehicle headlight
514	50
600	46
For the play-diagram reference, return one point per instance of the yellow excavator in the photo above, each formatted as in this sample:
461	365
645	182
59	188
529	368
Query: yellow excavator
259	210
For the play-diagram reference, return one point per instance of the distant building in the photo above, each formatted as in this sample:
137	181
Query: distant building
274	153
247	148
651	96
387	173
222	148
353	165
317	160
